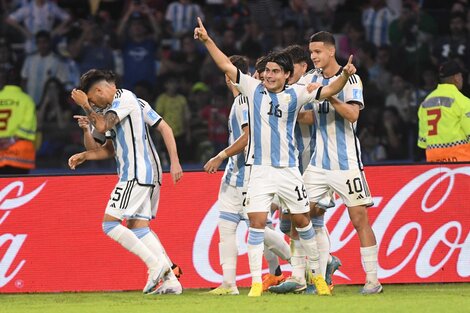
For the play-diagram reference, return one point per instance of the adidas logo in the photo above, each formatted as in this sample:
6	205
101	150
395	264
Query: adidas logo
359	197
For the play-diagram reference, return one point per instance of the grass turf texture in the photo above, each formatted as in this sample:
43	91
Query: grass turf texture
396	298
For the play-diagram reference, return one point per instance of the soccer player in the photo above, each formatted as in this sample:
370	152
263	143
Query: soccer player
273	112
336	162
305	142
135	196
233	189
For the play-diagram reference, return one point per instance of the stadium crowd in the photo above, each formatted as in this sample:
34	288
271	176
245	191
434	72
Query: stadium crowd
397	47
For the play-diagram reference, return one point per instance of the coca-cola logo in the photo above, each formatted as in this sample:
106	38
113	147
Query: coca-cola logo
419	199
10	200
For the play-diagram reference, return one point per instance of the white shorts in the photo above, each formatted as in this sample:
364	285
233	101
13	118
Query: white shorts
129	200
286	182
350	185
232	199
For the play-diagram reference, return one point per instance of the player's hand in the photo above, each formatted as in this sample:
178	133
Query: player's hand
77	159
213	164
313	86
83	121
80	98
176	172
200	32
349	69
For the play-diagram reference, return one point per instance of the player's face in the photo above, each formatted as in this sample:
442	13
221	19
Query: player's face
299	70
321	54
274	77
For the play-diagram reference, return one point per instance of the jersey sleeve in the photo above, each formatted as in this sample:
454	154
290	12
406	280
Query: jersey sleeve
304	97
101	138
246	84
242	111
151	117
123	103
422	128
352	91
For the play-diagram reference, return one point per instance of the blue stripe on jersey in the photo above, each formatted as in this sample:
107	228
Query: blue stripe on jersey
257	99
314	133
341	138
324	134
371	26
291	118
300	145
241	169
148	164
384	28
125	151
275	136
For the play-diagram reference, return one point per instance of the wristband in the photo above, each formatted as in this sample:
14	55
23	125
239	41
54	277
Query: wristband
222	154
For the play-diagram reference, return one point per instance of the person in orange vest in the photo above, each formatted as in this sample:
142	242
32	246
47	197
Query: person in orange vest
17	127
444	118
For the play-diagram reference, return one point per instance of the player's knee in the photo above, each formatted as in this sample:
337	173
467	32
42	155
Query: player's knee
109	226
285	226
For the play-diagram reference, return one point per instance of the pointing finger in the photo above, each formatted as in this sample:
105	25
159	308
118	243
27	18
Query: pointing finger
350	59
199	21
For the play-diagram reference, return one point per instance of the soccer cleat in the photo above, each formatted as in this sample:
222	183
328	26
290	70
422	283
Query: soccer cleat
292	284
371	288
256	290
155	275
176	270
310	290
320	285
171	286
272	280
222	290
331	268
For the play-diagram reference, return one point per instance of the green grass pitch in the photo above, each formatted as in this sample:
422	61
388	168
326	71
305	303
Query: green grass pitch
396	298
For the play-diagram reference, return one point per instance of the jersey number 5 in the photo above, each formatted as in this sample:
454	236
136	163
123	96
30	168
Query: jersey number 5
432	121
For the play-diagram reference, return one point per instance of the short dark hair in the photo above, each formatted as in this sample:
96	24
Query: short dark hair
240	62
43	34
93	76
323	36
260	64
282	59
298	54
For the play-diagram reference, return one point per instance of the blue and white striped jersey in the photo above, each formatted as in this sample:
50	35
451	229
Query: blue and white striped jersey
273	118
337	146
235	172
376	24
131	139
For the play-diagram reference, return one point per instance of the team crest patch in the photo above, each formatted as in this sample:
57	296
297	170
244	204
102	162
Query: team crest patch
115	104
357	94
286	98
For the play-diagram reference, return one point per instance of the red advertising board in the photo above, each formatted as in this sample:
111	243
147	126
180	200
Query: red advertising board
51	238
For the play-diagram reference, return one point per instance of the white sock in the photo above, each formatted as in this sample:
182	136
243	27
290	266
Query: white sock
152	242
272	259
275	242
323	248
255	253
228	251
306	235
298	260
129	240
369	256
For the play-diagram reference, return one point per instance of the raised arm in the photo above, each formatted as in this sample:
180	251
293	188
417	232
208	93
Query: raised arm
88	140
218	56
336	86
167	133
101	123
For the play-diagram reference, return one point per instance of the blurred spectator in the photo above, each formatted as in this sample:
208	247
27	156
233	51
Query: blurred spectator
229	14
173	107
38	15
187	62
216	115
90	50
395	134
376	65
301	14
181	15
253	42
376	19
7	58
17	127
456	45
351	41
373	151
41	66
139	45
444	118
401	98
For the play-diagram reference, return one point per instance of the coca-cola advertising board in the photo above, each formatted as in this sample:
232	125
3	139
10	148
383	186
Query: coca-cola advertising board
51	236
